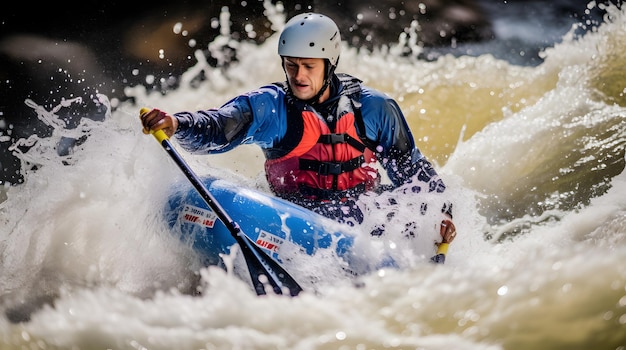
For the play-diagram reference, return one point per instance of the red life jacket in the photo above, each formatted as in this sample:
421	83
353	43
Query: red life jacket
324	164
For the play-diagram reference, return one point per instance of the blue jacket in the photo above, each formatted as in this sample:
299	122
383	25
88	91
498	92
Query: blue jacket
260	117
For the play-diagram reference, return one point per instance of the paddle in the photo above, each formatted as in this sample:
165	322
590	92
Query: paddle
442	248
440	257
263	269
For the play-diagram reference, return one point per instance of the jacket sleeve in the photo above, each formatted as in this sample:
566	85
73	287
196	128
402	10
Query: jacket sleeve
248	118
386	127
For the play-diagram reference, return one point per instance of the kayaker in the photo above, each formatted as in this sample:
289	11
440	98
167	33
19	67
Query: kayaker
321	132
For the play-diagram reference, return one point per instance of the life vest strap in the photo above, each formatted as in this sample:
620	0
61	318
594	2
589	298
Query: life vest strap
333	139
331	168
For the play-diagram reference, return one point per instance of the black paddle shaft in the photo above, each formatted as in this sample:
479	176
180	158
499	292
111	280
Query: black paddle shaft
259	263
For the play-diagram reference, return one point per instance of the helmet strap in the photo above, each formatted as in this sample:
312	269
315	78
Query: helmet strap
328	74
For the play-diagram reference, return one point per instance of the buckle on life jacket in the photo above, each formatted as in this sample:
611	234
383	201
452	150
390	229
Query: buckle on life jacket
333	138
327	168
331	168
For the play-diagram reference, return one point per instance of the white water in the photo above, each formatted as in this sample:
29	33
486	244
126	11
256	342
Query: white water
87	262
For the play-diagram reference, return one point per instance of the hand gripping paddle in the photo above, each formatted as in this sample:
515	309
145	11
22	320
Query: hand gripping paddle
263	269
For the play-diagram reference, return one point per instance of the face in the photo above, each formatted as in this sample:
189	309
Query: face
305	77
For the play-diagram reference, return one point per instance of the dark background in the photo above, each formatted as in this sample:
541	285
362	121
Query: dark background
58	50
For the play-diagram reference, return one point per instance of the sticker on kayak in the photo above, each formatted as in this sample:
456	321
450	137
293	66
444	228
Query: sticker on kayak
269	241
198	216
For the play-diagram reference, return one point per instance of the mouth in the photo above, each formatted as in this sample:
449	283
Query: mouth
300	85
300	89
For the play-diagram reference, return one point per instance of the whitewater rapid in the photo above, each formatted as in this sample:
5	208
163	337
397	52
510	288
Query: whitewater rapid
532	156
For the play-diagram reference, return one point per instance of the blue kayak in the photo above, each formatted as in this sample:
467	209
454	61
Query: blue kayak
268	221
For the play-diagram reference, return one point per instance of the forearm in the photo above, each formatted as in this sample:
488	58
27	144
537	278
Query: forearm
213	130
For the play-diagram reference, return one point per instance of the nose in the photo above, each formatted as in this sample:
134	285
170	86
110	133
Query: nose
296	73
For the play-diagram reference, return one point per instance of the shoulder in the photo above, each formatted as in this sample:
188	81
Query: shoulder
265	104
270	90
372	99
374	94
379	109
268	95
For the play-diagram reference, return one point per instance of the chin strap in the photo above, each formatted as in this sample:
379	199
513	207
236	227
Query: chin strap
330	70
319	94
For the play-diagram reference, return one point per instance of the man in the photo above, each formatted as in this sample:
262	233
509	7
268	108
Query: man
321	132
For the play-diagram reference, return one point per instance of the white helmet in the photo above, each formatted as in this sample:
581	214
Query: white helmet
311	35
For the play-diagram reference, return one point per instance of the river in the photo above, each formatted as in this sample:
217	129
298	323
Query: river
532	152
